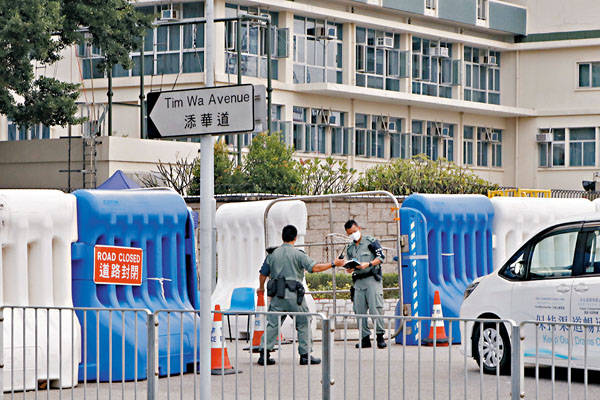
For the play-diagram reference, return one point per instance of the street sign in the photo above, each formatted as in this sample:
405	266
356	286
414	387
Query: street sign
118	265
202	111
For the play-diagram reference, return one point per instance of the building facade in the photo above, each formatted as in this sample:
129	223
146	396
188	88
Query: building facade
509	89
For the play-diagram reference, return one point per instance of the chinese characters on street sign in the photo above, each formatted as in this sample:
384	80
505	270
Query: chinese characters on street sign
118	265
190	112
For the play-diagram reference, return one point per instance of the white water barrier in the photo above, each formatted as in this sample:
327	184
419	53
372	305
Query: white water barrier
241	247
516	219
37	228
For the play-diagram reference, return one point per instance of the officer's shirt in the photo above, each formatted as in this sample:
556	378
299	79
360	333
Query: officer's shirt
288	262
360	251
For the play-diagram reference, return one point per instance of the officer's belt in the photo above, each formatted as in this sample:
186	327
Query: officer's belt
375	272
277	287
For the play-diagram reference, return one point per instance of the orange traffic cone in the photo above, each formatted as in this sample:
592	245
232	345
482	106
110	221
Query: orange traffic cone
440	331
259	322
219	360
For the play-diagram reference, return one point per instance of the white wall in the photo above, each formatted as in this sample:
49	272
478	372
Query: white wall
562	15
36	163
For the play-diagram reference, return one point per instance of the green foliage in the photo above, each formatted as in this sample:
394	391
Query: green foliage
343	281
422	175
325	176
269	166
227	175
34	32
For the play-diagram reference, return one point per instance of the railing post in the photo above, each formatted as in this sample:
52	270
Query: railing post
152	357
516	364
1	353
326	380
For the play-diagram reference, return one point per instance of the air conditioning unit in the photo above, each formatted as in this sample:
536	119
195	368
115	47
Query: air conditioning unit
169	14
544	136
384	41
490	135
490	60
441	52
323	33
441	130
333	120
383	123
323	117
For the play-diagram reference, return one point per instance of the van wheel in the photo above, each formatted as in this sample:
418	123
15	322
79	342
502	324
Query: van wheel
494	347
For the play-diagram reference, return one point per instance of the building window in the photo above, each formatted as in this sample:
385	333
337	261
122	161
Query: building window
430	6
589	74
37	131
482	7
468	145
552	154
168	49
399	146
278	126
439	141
489	141
253	43
432	68
582	147
434	139
341	136
379	62
482	75
370	131
313	127
497	148
317	50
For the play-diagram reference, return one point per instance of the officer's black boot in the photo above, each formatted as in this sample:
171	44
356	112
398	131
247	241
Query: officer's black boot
313	360
381	341
366	342
269	360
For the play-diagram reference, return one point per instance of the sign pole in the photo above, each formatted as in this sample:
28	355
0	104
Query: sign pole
207	216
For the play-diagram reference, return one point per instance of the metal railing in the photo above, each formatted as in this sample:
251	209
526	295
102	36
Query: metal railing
545	359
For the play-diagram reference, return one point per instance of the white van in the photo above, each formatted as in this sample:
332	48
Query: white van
554	277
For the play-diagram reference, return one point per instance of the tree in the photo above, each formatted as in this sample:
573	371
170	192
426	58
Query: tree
178	175
325	177
422	175
269	166
35	32
228	177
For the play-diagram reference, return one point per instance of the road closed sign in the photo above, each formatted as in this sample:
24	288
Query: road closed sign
117	265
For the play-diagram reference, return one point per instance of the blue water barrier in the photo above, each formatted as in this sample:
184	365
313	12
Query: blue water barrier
158	222
456	238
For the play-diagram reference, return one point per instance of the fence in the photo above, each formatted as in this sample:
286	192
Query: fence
545	193
562	355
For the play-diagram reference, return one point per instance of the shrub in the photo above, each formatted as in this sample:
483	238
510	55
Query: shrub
325	176
422	175
269	166
343	281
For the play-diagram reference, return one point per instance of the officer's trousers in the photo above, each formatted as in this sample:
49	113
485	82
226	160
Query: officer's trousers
302	324
369	299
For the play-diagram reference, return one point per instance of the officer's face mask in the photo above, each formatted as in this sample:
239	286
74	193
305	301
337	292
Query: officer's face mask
355	236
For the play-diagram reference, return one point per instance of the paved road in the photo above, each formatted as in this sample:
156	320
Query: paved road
395	374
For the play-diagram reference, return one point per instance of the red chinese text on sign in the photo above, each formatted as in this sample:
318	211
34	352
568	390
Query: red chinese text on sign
118	265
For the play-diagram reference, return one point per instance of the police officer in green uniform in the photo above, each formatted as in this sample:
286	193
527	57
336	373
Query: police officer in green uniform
367	281
285	268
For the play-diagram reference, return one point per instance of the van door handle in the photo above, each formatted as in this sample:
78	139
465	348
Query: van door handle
563	289
581	288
